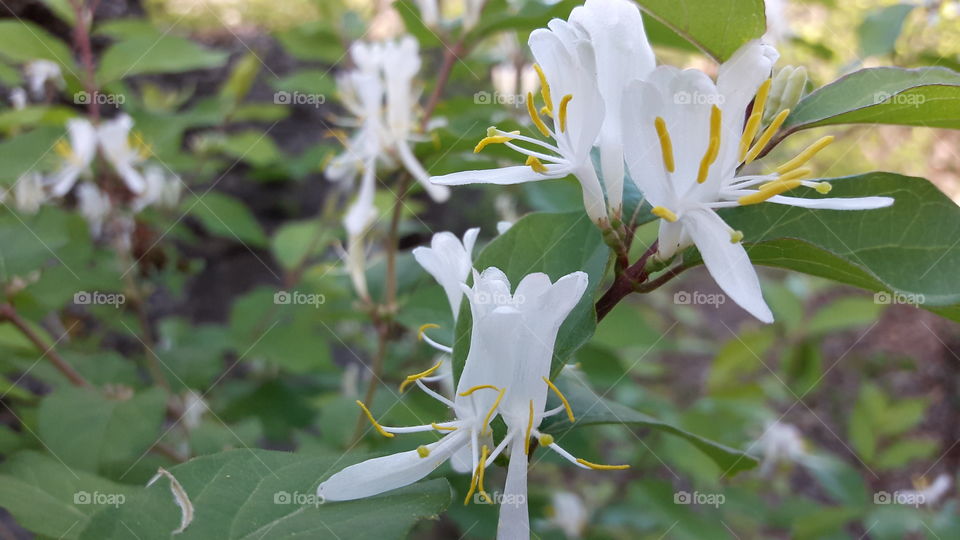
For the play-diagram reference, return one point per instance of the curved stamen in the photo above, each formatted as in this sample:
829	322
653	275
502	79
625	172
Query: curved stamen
441	427
666	147
530	140
566	404
433	394
469	391
535	117
373	421
756	116
805	156
563	111
713	148
496	403
601	467
416	376
544	88
766	136
664	213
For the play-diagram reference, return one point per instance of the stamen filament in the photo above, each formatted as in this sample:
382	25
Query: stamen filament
599	467
496	403
768	191
373	421
713	148
566	404
537	121
805	155
664	213
438	427
666	147
767	135
563	111
424	328
495	139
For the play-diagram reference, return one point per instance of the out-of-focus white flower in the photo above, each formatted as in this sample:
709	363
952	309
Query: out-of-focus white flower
504	78
449	260
77	155
94	205
429	12
159	189
115	143
927	493
503	226
781	443
29	193
194	407
778	25
568	513
432	15
38	73
18	98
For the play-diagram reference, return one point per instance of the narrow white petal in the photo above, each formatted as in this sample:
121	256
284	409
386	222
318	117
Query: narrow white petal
502	176
835	203
437	192
727	262
514	516
386	473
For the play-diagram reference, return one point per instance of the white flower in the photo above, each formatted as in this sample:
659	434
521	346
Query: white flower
429	12
18	98
781	443
568	513
356	221
572	100
94	205
623	54
449	260
159	189
77	155
700	175
38	73
114	137
29	193
926	493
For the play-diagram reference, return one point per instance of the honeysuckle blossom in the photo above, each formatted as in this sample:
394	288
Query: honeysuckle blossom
18	98
781	443
568	513
686	138
29	193
449	260
94	205
925	492
40	72
115	144
572	103
159	189
77	155
431	12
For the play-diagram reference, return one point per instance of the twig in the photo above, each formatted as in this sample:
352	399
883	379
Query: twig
9	313
81	39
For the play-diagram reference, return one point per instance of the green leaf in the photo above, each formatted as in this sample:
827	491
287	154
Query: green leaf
717	27
314	41
844	314
104	434
241	78
52	500
907	252
902	452
591	409
927	97
252	146
881	28
28	152
22	41
555	244
263	494
296	241
148	54
225	216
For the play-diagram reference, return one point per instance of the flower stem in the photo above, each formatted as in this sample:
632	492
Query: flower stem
9	313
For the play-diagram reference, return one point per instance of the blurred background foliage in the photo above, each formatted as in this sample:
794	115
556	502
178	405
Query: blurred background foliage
870	390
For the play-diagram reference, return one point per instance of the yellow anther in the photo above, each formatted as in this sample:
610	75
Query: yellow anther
544	89
376	424
526	439
805	155
736	237
546	112
769	190
423	328
666	147
795	174
563	111
823	187
423	451
566	404
413	378
496	403
136	141
466	393
599	467
62	148
438	427
476	481
664	213
713	148
537	121
495	139
756	116
545	439
536	165
767	135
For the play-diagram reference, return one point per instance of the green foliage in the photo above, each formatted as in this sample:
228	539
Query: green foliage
718	28
149	54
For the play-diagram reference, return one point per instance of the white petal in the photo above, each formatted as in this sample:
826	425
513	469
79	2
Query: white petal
835	203
386	473
502	176
514	516
642	104
727	262
437	192
738	80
